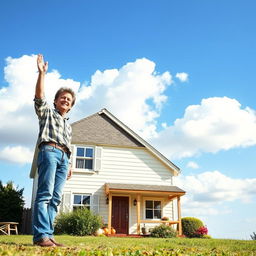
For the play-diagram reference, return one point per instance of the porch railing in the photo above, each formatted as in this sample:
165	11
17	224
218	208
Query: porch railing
166	222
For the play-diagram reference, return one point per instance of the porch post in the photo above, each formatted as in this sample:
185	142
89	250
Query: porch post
138	214
109	213
179	215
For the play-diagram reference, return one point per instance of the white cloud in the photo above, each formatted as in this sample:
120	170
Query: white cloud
164	125
126	92
192	165
17	154
216	124
183	77
134	93
206	191
18	122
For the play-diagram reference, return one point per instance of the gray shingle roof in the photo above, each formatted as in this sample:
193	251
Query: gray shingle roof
100	129
141	187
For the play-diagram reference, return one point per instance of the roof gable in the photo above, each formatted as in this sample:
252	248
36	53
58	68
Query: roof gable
103	128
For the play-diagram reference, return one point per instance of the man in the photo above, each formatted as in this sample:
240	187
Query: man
54	152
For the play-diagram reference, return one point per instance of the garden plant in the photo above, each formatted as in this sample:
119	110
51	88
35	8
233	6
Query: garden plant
81	222
191	227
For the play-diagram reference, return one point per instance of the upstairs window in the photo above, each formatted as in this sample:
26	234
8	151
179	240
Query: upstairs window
81	201
84	158
153	209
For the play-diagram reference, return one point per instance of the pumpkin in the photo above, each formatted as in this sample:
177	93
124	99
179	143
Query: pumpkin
113	231
105	231
99	232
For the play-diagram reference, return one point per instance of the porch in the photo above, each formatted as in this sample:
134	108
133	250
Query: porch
138	191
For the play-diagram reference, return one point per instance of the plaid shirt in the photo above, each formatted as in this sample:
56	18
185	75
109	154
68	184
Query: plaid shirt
52	126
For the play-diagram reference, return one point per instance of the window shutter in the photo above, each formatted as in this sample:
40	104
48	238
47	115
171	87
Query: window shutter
95	204
73	157
66	203
97	158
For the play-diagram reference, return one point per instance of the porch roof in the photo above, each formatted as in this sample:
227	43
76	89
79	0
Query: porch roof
171	191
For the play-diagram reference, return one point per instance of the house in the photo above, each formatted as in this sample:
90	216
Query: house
119	176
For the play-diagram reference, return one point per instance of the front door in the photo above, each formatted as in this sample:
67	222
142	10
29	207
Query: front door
120	214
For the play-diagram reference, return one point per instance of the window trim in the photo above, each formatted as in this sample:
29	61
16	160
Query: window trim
97	159
84	158
81	205
153	199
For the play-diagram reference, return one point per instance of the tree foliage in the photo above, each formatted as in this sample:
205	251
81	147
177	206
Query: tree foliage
253	236
11	202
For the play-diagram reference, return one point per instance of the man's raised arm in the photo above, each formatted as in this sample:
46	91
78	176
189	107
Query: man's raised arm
42	69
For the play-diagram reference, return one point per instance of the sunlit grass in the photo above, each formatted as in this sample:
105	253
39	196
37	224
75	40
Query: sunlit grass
89	245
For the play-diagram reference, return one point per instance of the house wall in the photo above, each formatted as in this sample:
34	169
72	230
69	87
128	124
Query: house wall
34	190
119	165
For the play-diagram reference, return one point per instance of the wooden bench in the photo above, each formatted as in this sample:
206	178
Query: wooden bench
7	227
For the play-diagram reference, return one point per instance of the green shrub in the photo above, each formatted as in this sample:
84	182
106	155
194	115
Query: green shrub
163	231
190	225
81	222
206	237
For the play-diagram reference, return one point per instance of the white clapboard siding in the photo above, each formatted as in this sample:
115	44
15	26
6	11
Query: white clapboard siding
119	165
122	165
134	164
95	204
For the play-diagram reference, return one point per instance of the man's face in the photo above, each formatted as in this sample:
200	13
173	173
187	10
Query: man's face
64	102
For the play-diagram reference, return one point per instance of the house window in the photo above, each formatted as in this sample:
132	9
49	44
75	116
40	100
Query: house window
84	158
153	209
80	201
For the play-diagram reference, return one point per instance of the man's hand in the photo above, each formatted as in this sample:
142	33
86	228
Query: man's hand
42	69
69	174
41	65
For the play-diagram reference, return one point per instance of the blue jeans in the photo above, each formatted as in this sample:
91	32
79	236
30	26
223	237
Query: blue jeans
52	174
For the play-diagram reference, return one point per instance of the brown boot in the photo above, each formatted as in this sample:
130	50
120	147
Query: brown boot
57	244
45	242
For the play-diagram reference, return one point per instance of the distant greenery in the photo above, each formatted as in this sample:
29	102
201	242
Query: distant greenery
81	222
11	202
91	245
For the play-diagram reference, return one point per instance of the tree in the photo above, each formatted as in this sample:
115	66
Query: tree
253	236
11	202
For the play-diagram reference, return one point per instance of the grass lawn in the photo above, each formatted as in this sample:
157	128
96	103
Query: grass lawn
81	246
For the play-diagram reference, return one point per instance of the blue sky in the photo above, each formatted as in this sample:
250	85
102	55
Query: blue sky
178	72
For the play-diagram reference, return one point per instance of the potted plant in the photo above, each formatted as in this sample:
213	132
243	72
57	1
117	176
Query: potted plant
144	230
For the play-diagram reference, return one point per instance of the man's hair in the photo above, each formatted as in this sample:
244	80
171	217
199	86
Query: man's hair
65	89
